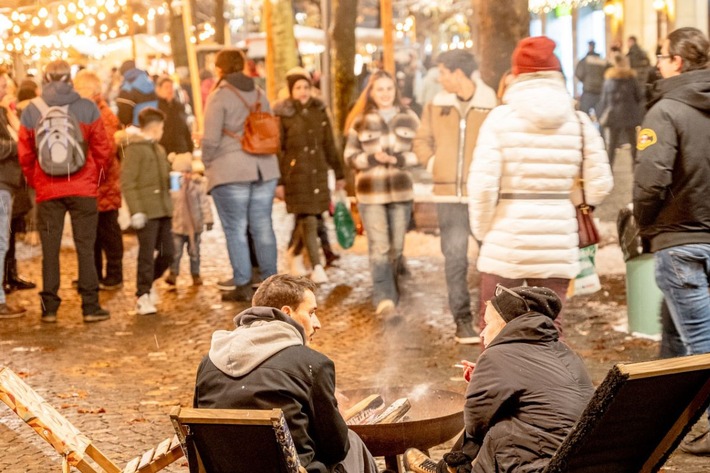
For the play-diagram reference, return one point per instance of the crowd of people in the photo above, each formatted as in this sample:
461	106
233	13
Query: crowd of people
506	168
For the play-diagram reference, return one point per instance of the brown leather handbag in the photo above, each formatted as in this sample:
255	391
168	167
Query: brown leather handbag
588	232
262	130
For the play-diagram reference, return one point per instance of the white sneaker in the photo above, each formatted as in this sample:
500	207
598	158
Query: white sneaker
385	307
296	266
154	296
145	306
318	275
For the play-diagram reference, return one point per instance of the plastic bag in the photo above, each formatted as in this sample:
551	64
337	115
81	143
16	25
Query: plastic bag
344	223
587	281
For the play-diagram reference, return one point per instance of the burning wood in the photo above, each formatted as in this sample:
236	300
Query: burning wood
364	410
394	413
371	410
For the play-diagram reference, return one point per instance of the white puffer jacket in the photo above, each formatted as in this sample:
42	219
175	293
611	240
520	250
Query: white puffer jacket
525	166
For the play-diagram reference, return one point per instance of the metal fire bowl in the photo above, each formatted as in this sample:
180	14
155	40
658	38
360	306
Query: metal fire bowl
435	417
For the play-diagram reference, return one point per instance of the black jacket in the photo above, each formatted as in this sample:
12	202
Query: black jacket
177	137
526	393
308	150
296	379
10	171
672	176
622	97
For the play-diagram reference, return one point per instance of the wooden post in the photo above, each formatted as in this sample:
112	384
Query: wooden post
192	63
325	71
388	35
270	51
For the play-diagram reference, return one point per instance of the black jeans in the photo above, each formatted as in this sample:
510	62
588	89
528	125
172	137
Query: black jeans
109	242
615	136
155	236
84	219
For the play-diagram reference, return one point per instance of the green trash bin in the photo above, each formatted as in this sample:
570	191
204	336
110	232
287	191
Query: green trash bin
643	297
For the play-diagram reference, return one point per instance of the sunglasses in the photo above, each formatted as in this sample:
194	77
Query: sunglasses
500	289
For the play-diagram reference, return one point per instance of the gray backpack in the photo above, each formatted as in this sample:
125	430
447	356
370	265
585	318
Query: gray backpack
61	149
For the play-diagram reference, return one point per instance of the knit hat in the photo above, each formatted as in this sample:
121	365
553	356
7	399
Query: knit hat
529	299
535	54
182	162
127	66
296	74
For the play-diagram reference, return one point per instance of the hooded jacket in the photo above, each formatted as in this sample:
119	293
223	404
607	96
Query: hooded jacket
83	183
525	395
137	92
622	97
225	161
264	363
145	174
308	150
672	175
590	71
109	197
177	137
449	139
10	171
527	159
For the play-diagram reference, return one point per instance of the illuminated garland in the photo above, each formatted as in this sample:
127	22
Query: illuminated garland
546	6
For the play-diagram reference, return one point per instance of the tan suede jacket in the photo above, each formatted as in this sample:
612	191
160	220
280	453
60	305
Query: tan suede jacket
450	139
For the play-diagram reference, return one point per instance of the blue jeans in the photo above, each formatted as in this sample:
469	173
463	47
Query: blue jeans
385	227
243	205
455	232
682	275
5	219
193	251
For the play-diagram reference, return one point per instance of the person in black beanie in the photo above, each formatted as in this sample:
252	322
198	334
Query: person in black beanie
526	390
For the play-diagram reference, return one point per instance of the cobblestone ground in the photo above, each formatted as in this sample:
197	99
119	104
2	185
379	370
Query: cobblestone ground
117	380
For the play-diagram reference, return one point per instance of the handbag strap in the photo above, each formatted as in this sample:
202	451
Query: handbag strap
581	167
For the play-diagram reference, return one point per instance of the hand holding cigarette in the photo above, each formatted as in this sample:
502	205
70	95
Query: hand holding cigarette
468	368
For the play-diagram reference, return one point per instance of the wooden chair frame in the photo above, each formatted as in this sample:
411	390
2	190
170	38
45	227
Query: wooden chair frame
75	448
183	418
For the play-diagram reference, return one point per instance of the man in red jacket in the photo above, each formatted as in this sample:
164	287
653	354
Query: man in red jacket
75	193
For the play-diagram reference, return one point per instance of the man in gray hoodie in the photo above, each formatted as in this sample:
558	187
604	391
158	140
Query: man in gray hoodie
265	362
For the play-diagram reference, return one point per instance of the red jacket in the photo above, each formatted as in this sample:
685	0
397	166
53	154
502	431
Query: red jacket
83	183
109	197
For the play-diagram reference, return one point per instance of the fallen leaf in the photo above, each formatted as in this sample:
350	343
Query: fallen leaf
96	410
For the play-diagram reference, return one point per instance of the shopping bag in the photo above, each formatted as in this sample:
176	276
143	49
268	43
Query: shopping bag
344	223
587	281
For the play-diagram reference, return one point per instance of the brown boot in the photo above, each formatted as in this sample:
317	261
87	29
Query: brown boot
11	312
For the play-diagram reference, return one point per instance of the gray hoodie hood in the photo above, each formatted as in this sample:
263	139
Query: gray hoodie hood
261	333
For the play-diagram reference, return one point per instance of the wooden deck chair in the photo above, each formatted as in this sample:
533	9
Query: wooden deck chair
637	417
75	448
236	441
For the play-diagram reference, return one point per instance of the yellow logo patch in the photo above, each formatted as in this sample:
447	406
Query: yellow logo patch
647	137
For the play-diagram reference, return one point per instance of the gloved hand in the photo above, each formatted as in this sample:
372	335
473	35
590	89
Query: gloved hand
209	226
138	220
457	462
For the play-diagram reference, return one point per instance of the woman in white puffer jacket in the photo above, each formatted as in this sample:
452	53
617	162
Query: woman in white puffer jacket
525	166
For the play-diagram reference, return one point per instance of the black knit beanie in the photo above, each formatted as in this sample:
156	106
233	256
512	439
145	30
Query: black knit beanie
539	299
296	74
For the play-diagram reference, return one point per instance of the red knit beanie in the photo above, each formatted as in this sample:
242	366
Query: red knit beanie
535	54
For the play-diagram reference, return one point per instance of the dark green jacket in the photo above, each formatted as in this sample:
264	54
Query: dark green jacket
145	175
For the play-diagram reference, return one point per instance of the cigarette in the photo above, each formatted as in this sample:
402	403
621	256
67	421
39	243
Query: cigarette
459	365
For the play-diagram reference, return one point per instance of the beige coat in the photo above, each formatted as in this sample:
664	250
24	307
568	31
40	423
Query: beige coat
449	139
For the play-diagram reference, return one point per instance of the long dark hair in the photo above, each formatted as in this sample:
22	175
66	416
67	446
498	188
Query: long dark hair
365	104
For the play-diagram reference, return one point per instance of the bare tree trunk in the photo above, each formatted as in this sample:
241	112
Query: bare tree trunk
343	34
177	38
500	25
285	47
219	21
